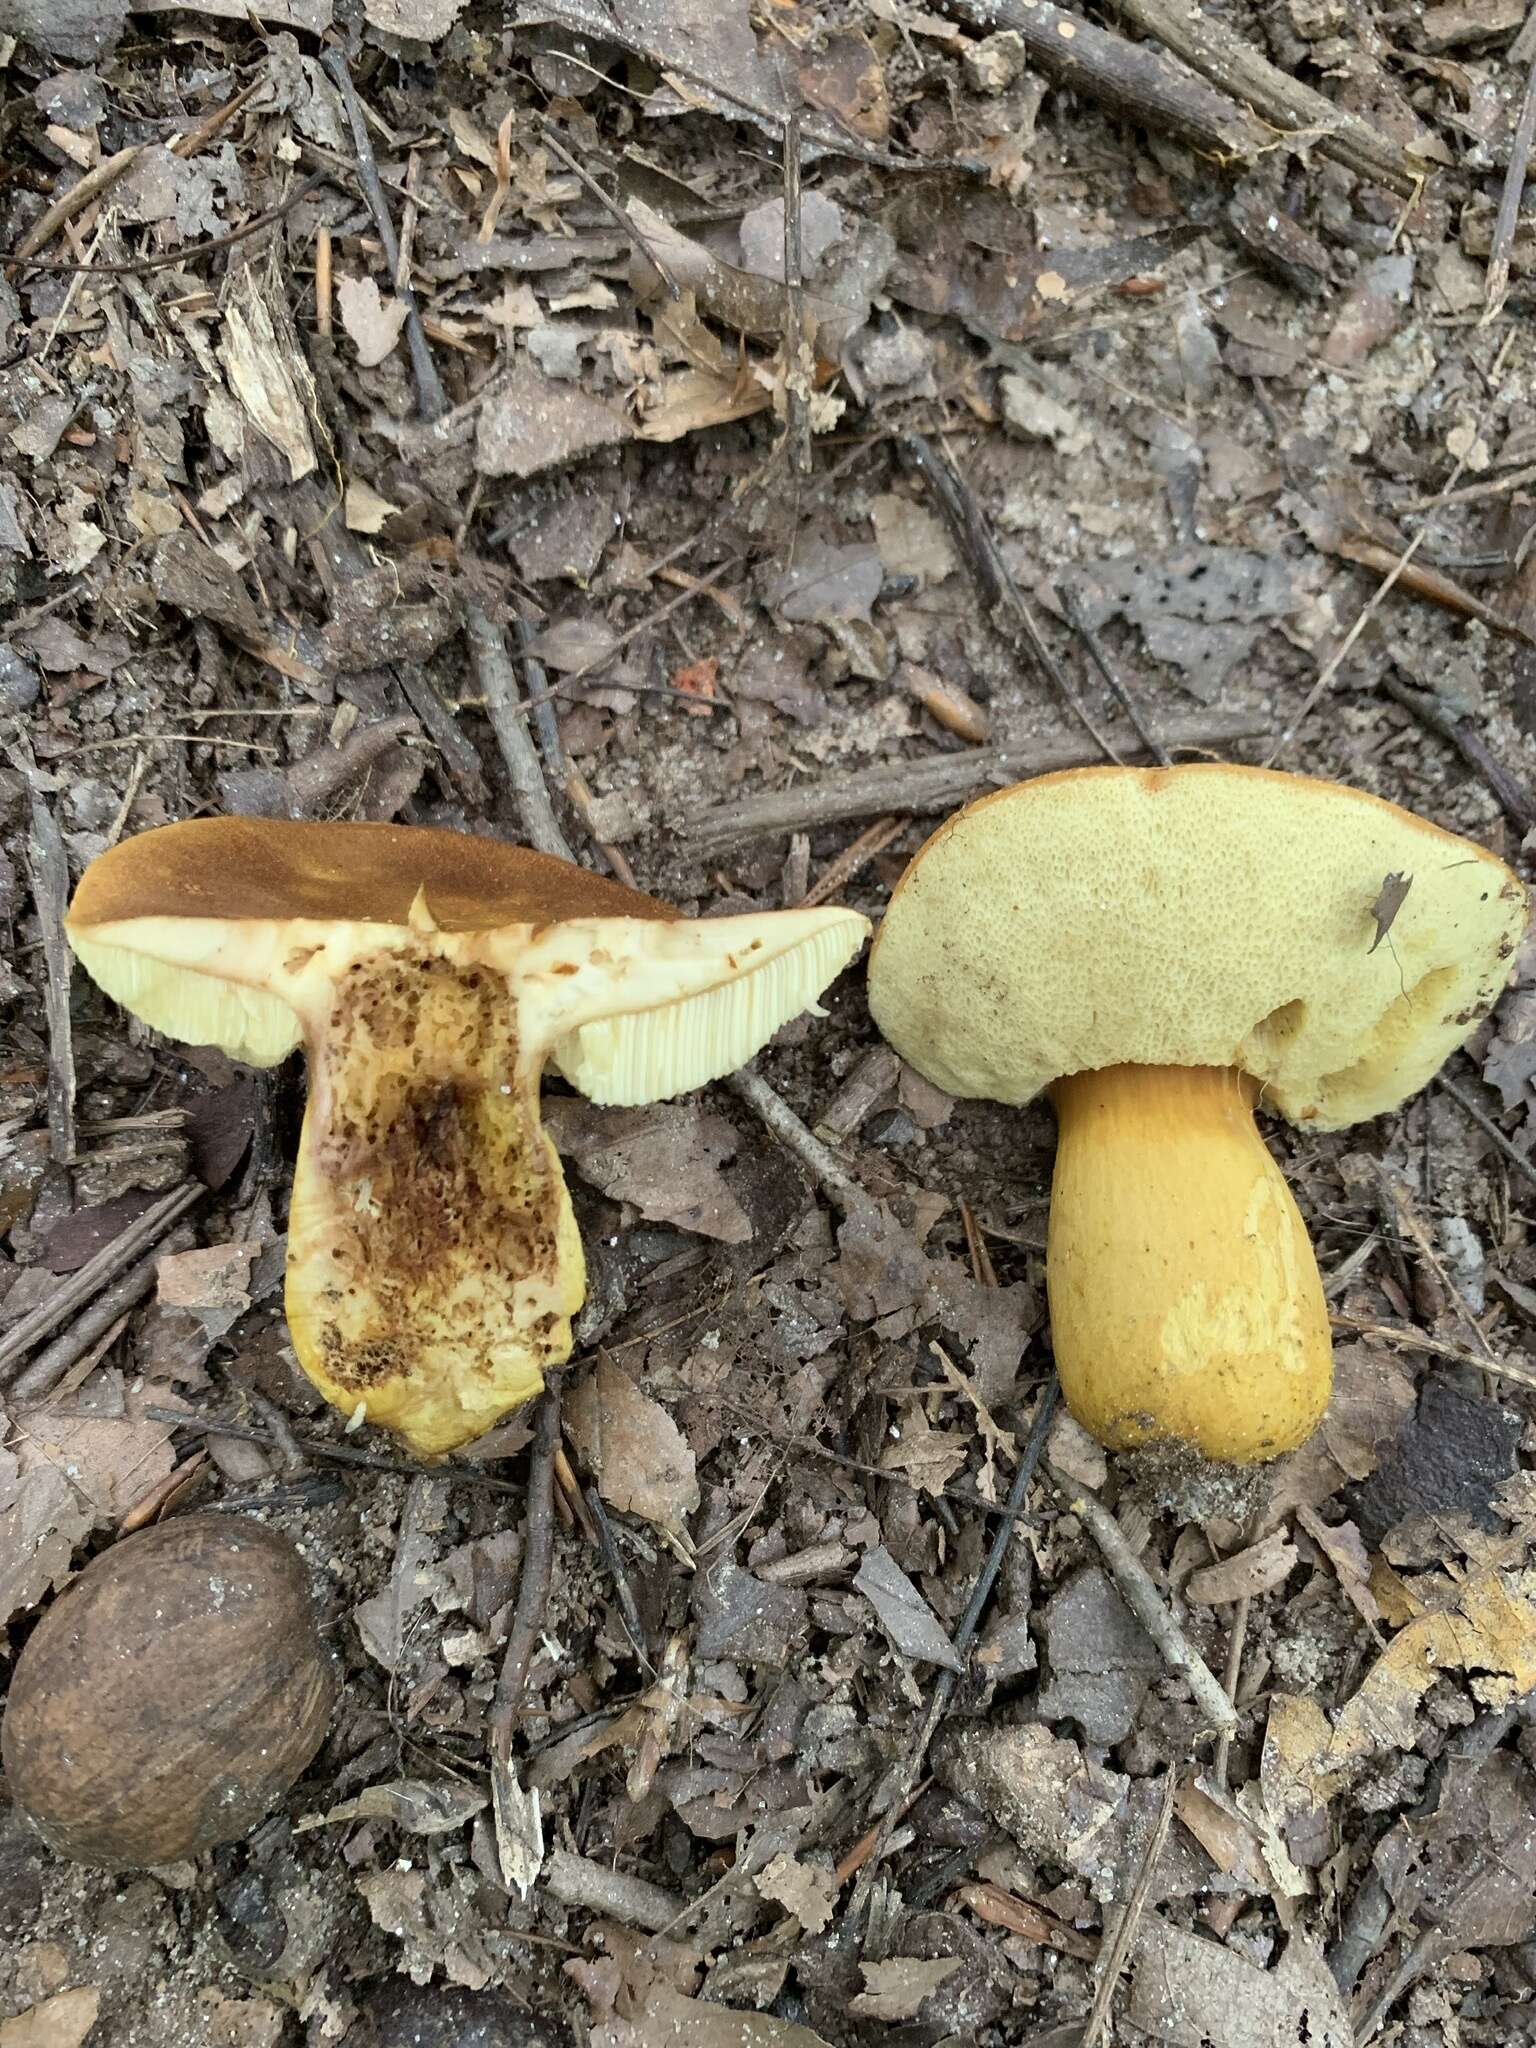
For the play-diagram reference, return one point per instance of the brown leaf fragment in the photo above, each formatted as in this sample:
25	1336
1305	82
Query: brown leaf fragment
846	79
904	1614
531	422
669	2020
1000	1908
62	2021
373	322
929	1457
271	381
1345	1550
630	1443
1188	1992
1394	892
1259	1569
664	1158
804	1889
420	1806
895	1990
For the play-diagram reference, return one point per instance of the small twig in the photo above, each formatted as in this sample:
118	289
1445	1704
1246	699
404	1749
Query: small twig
1489	1129
507	712
1140	1594
1513	796
77	1288
1229	1682
596	1888
432	399
1077	620
323	290
930	783
819	1160
48	868
1153	88
1436	1347
190	252
964	1636
852	861
629	1609
79	196
533	1585
89	1327
974	537
336	1454
1373	603
1279	98
546	721
1496	284
623	221
1114	1959
797	365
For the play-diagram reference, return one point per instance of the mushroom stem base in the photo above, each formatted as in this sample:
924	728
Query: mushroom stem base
1185	1300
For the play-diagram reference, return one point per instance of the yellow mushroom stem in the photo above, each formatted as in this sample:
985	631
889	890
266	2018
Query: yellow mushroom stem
433	1260
1185	1300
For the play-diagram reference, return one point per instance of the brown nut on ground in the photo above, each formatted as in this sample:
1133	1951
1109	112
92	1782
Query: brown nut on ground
434	1264
1162	950
170	1696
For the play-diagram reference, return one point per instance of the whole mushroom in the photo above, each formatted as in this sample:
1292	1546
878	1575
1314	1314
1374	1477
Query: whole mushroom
434	1263
1162	951
170	1696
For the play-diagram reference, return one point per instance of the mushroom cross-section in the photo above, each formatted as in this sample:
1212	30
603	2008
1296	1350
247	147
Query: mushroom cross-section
1163	950
433	1260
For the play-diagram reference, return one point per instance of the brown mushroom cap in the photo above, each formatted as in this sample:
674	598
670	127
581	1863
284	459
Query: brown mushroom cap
244	868
1203	915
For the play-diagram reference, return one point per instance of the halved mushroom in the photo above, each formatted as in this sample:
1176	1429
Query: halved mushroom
1162	950
433	1260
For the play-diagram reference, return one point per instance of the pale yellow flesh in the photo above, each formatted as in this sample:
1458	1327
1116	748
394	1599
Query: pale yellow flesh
1185	1301
433	1260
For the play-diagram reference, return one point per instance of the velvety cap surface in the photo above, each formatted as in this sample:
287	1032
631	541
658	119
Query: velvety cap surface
1203	915
258	868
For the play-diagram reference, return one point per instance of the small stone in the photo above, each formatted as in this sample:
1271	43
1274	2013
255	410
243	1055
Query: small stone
993	64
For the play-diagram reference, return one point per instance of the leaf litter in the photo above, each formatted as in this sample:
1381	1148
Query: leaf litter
235	549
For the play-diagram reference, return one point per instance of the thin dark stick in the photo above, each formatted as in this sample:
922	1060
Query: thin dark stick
797	417
77	1288
168	259
533	1585
1496	284
973	535
48	867
507	712
546	722
1077	620
616	213
431	398
335	1454
608	1545
1460	733
964	1636
51	1365
1488	1127
1125	1930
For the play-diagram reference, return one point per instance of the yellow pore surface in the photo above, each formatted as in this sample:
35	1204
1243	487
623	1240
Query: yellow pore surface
1195	916
1185	1299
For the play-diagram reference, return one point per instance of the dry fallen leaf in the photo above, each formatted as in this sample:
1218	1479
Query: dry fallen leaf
635	1450
1188	1992
215	1276
62	2021
894	1990
421	1806
1486	1629
1247	1573
664	1158
272	383
372	321
804	1889
364	509
904	1614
